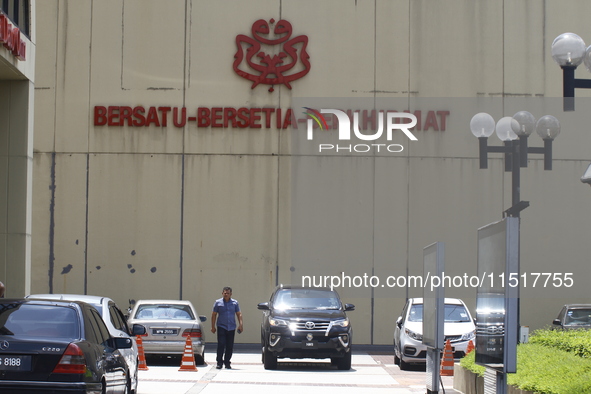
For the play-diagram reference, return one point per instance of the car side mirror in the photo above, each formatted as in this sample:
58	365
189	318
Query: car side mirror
121	343
263	306
556	322
138	329
202	318
349	307
399	321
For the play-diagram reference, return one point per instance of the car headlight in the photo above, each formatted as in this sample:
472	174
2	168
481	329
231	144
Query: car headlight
467	336
341	323
277	322
414	335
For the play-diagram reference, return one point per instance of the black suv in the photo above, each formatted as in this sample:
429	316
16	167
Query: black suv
303	322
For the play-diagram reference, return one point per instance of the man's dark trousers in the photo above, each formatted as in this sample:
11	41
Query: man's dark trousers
225	343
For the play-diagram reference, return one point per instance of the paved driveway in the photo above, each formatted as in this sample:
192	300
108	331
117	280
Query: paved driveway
373	371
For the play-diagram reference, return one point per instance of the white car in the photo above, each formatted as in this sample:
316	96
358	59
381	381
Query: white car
115	322
458	327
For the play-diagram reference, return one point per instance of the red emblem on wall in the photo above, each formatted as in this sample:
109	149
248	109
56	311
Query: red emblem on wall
271	59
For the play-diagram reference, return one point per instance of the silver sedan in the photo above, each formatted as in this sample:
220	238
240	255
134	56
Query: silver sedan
168	324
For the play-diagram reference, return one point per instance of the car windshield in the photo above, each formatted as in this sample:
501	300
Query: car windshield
578	317
164	311
306	299
453	313
31	320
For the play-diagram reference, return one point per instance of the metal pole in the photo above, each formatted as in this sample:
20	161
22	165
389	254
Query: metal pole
483	145
548	154
568	88
515	180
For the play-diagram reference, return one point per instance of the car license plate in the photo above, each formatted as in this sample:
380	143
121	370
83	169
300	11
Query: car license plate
310	344
165	331
15	363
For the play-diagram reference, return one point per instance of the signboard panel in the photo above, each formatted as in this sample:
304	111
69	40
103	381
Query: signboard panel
497	298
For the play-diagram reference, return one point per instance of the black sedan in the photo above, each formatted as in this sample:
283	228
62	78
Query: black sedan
59	347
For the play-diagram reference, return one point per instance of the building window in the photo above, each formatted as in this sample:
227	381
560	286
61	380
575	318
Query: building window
19	12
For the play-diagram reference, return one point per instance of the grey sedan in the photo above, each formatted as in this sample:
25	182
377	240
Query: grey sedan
168	324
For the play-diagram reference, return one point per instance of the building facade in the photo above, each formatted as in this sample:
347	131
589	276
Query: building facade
17	78
171	156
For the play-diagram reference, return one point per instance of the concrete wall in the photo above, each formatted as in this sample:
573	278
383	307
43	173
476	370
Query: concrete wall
17	77
168	212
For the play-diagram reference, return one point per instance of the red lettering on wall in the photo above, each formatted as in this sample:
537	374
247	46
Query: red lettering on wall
216	116
10	37
175	117
431	121
125	113
139	118
100	118
268	112
164	111
230	116
203	117
254	118
289	121
442	117
113	116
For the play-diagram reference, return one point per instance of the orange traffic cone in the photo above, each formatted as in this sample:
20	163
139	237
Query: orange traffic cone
447	362
142	366
188	361
470	347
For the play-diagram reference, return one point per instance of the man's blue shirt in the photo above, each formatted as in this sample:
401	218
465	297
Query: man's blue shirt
226	313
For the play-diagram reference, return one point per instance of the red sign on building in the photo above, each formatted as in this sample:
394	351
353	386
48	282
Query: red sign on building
271	58
10	37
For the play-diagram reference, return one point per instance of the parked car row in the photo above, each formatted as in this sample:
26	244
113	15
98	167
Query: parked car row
84	344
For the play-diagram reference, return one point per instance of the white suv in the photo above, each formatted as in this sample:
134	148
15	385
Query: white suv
458	327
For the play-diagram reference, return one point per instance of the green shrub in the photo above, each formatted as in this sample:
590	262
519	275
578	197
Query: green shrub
469	362
577	342
543	369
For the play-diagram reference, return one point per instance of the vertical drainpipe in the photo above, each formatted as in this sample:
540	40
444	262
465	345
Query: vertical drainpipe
86	224
182	226
51	224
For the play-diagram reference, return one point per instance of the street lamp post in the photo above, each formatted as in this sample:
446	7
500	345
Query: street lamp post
569	51
514	132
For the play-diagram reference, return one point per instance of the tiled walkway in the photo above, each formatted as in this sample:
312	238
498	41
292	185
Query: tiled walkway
372	372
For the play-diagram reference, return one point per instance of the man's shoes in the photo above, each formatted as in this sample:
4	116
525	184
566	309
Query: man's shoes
228	366
219	366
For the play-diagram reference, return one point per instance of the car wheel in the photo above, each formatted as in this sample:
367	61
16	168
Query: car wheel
133	388
128	386
269	360
396	359
199	360
344	364
404	366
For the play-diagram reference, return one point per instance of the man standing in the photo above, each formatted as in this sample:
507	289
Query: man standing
225	311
